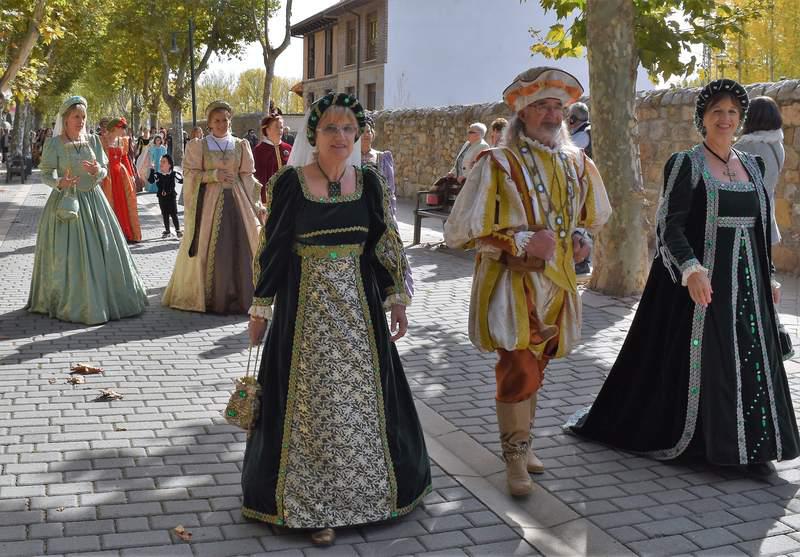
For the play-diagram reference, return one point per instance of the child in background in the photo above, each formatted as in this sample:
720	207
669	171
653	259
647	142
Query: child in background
165	179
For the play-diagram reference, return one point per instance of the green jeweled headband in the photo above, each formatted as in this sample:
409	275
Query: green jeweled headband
70	102
329	100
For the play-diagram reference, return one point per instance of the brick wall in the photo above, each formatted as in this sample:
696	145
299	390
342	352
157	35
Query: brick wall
425	142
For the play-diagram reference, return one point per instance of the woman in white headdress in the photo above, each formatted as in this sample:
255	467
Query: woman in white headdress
338	442
83	271
213	271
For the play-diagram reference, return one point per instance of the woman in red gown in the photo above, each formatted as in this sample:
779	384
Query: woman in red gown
119	186
271	154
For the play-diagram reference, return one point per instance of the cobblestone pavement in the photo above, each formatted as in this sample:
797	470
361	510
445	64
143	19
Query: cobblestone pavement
112	478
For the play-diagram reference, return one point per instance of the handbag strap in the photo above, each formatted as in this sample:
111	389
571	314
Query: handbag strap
249	359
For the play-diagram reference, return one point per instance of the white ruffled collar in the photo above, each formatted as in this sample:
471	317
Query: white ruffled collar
539	145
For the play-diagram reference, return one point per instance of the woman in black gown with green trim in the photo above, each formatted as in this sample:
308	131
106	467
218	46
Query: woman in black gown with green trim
338	442
701	371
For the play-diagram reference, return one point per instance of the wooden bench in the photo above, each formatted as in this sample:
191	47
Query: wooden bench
17	164
440	212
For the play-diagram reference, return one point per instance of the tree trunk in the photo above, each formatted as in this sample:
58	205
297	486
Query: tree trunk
176	110
27	129
621	256
269	66
20	57
15	140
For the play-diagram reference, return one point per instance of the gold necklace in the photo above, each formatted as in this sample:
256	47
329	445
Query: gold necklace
564	213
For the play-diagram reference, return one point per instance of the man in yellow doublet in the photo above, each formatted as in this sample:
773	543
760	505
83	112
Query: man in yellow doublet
519	208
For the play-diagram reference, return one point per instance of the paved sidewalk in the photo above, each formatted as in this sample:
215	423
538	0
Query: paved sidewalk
112	478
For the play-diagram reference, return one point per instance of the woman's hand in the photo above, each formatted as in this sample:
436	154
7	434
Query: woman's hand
776	294
399	322
68	181
92	167
256	329
225	176
699	288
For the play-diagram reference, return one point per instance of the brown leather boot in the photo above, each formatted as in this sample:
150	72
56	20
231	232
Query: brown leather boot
535	466
513	420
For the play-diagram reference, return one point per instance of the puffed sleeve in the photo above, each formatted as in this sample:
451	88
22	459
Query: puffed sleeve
126	161
48	164
384	245
193	168
276	239
101	158
596	208
387	169
672	214
247	170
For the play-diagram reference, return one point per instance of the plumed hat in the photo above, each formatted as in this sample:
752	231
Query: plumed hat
714	88
542	83
329	100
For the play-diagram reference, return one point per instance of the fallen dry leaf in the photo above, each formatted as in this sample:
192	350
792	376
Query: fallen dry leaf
51	380
85	369
120	428
182	533
59	509
76	379
108	394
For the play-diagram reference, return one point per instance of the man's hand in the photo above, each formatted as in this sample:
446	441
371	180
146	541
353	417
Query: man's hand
581	249
542	245
776	295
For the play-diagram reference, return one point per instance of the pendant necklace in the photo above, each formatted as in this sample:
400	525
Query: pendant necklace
728	172
334	186
225	150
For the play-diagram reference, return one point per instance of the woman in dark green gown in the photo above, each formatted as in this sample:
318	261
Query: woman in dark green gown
701	370
338	441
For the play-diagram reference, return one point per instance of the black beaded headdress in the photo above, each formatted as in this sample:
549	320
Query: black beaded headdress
329	100
713	88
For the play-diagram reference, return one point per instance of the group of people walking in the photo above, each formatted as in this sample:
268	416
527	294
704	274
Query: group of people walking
304	239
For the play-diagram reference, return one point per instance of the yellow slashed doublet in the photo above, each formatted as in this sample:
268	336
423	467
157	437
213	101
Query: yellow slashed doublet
510	193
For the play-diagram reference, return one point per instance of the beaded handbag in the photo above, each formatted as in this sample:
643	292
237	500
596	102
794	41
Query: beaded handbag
243	406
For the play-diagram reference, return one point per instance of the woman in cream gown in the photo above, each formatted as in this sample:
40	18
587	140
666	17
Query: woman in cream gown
213	271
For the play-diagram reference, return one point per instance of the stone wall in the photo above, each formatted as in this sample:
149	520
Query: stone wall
425	142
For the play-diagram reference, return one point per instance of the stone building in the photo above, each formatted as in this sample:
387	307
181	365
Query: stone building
413	53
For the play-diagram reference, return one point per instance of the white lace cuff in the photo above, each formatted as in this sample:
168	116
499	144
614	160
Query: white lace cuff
521	240
262	312
690	270
401	299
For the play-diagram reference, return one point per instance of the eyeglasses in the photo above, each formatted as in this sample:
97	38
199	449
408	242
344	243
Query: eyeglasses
472	131
332	130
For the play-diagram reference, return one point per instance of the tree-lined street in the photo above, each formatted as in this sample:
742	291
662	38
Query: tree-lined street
81	477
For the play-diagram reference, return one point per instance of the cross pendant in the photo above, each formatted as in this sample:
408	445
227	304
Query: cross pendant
729	173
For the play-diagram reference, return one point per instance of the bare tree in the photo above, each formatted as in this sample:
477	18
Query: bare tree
261	26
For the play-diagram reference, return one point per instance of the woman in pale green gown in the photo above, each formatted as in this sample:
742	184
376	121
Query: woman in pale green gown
83	271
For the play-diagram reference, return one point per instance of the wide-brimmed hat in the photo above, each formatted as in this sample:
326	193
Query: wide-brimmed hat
543	82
